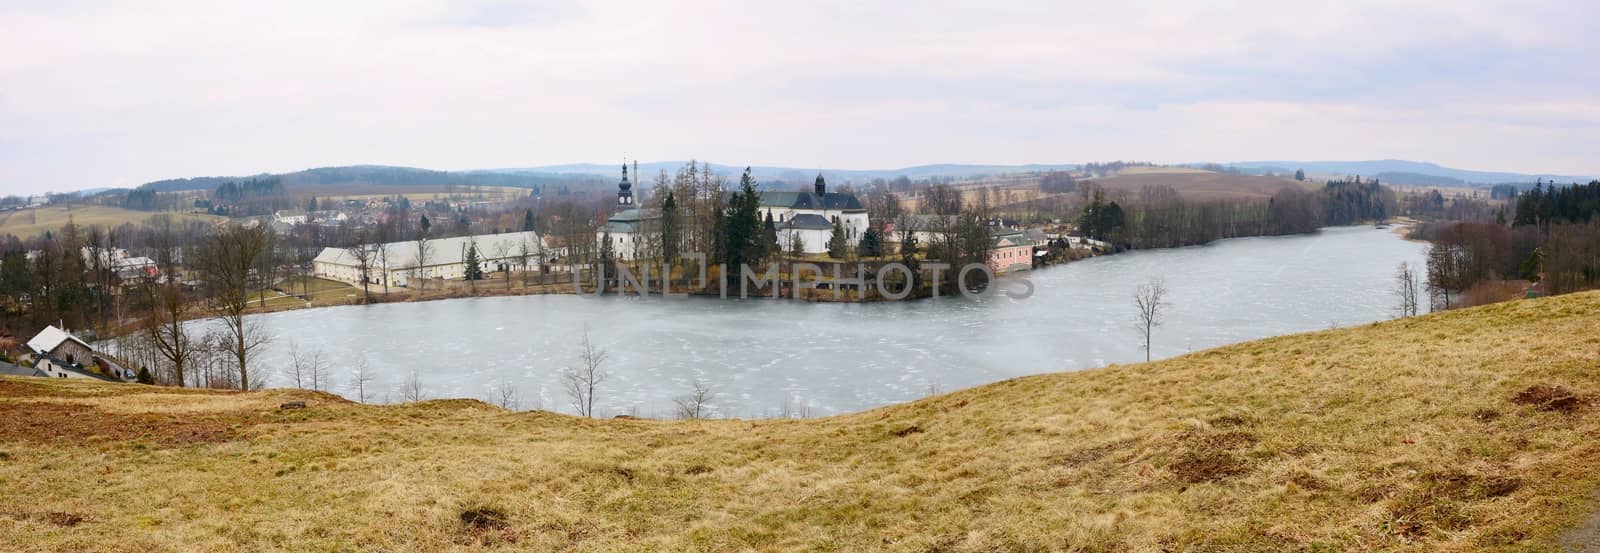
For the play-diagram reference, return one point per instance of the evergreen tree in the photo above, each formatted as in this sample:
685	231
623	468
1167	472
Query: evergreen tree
836	242
527	220
311	205
144	376
769	239
671	228
474	267
1300	174
425	224
608	258
871	244
741	227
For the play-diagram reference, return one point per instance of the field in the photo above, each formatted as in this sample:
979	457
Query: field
1462	431
1199	185
413	193
26	223
1192	184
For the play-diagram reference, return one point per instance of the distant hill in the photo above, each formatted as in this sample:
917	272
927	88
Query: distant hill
796	174
1404	172
382	175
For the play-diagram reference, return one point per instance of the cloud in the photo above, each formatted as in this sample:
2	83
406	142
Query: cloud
115	94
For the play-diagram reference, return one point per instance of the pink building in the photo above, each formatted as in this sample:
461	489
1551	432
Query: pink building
1012	252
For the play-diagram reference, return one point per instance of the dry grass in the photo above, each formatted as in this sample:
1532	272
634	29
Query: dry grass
1462	431
27	223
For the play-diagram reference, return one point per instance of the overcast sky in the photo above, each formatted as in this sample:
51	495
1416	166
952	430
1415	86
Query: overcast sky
99	94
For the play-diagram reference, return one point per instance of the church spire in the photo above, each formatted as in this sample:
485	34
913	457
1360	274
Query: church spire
625	189
822	186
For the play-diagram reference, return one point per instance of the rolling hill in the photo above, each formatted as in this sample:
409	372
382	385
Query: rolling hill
1406	172
1468	430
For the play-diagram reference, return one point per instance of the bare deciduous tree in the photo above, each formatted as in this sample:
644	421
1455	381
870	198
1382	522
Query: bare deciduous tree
1151	300
583	380
697	403
504	393
166	328
420	270
364	255
1407	287
227	261
361	379
412	390
307	368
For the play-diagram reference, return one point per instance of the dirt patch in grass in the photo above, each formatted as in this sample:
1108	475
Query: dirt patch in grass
907	431
1089	455
1439	501
1550	398
58	423
13	388
1212	456
53	518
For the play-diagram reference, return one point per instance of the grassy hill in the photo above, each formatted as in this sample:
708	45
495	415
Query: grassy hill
1467	430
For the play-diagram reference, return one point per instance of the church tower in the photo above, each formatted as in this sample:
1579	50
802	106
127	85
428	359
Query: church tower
624	190
822	186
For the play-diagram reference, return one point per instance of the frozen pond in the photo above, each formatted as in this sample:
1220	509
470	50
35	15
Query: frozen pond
835	358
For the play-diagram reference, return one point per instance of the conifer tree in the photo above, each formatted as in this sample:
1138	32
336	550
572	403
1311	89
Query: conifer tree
836	242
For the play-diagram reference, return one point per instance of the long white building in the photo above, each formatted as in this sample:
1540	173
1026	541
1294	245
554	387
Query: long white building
446	258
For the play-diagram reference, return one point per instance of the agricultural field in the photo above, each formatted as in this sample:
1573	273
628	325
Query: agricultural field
413	193
27	223
1200	185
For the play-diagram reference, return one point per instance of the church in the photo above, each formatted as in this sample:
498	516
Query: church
633	230
805	216
808	217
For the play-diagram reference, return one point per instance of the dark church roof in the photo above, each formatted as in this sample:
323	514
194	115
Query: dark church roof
811	200
808	221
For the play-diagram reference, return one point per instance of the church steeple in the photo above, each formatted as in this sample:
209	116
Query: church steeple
822	186
625	189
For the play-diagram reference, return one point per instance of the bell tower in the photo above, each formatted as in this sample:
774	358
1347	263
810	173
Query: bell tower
624	189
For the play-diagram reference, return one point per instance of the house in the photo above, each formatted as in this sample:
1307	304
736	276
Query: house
927	228
1011	252
445	258
290	217
59	343
7	369
1037	237
53	367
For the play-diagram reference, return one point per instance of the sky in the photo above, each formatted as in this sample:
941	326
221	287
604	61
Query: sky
114	94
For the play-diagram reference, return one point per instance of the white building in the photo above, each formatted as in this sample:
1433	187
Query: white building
807	216
810	216
446	258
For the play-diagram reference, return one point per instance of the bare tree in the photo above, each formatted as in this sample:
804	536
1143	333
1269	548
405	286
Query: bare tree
361	378
582	381
504	394
226	260
168	309
1151	300
697	403
411	390
363	254
502	252
420	271
307	368
1407	286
